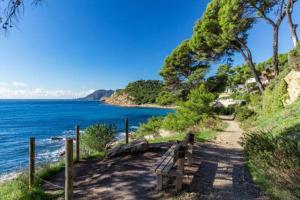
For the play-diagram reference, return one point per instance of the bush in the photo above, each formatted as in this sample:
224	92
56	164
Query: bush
243	113
274	163
273	100
150	128
191	112
97	136
225	110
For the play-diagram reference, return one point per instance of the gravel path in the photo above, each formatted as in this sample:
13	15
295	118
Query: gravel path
219	170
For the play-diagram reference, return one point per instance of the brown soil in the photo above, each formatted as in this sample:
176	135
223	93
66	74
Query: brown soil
218	172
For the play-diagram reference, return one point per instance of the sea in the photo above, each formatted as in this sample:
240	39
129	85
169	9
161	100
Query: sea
47	119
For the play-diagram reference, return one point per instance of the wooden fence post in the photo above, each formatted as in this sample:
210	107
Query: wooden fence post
126	130
191	139
69	170
31	161
77	143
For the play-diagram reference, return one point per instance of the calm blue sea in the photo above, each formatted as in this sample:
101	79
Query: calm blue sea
43	119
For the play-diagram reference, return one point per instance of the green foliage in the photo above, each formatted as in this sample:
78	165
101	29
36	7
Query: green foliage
274	163
144	91
119	91
206	42
225	110
272	151
295	51
191	112
166	98
97	136
279	95
282	59
267	101
294	58
243	113
219	82
273	100
151	127
239	75
181	72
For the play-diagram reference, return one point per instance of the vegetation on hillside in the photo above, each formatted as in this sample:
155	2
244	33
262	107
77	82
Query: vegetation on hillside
144	91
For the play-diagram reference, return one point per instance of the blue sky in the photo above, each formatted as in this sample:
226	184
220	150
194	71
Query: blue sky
64	50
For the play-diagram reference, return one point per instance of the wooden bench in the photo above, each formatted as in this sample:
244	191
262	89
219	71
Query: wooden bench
171	163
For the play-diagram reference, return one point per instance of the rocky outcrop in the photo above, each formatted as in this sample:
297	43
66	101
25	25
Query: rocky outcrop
118	99
293	82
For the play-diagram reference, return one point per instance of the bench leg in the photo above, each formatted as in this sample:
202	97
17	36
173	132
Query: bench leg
178	183
159	182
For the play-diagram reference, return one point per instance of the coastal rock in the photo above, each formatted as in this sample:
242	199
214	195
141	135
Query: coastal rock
137	146
119	99
293	82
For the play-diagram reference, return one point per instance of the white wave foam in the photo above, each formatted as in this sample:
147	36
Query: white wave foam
9	176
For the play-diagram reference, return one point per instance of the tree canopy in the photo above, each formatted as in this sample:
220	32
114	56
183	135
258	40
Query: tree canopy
181	71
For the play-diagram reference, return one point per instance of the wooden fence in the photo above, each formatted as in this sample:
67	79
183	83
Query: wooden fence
69	165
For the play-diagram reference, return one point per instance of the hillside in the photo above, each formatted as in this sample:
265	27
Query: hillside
97	95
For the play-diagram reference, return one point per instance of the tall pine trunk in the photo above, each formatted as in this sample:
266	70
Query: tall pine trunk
247	55
292	26
275	50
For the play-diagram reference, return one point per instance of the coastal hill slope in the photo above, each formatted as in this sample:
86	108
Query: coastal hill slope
97	95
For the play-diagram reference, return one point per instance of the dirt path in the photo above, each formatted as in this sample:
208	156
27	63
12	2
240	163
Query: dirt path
219	169
218	172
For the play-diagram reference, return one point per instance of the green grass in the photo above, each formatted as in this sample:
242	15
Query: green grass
205	135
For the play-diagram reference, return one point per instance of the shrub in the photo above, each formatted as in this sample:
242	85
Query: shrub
150	128
243	113
273	100
267	101
97	136
279	95
274	163
190	113
225	110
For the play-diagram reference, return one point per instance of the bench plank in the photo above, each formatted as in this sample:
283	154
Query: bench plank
169	159
162	159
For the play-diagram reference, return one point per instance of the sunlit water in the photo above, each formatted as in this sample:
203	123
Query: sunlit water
44	119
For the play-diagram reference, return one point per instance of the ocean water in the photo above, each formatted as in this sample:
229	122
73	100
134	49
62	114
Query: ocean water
44	119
